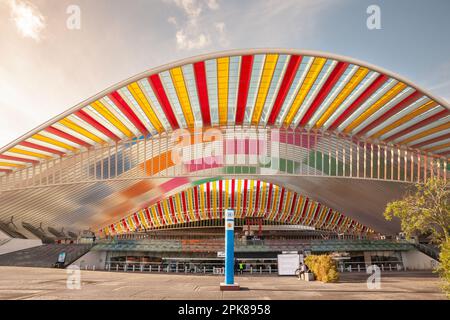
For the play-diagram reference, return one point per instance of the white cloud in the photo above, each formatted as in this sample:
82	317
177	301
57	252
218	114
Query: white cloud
193	31
28	20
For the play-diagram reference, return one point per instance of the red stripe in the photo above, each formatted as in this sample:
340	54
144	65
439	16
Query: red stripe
397	108
147	214
67	136
293	205
220	197
127	111
424	143
324	91
289	76
374	86
269	200
303	216
208	198
202	91
160	94
280	207
160	211
245	198
5	170
244	84
196	202
257	196
5	157
184	204
316	213
233	205
172	209
136	220
419	124
97	125
38	147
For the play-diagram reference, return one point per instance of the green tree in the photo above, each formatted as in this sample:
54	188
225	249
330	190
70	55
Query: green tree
444	267
424	210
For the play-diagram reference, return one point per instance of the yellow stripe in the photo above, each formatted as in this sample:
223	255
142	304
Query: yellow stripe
183	96
309	80
356	79
262	205
108	115
53	141
274	202
191	206
15	165
439	147
222	87
286	206
250	198
227	183
264	84
202	201
69	124
426	133
29	153
155	216
143	219
238	200
167	211
178	203
424	108
399	87
140	98
214	197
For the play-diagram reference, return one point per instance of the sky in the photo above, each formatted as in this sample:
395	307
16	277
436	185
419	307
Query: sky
55	54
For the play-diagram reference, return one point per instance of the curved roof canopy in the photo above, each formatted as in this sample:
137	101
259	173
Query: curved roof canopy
264	87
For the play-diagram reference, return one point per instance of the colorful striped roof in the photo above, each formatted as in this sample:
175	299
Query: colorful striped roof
249	198
258	87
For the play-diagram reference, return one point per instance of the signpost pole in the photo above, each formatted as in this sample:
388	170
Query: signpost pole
229	252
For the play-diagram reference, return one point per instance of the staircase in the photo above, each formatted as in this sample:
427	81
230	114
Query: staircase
44	256
428	249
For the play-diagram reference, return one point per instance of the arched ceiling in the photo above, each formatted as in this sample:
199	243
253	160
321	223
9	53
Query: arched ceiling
259	87
249	198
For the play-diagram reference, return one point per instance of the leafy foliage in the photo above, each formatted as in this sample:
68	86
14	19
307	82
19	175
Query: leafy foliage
444	267
424	210
323	267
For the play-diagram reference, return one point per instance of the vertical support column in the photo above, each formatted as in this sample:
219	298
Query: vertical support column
229	253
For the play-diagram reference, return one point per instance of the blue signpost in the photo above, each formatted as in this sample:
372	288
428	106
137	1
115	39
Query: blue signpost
229	252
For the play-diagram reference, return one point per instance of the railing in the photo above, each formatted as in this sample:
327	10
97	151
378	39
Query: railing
235	151
184	267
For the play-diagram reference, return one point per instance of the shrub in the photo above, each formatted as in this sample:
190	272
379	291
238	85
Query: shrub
323	267
444	267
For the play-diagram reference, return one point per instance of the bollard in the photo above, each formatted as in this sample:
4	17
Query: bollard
93	267
195	269
382	267
251	269
260	270
167	269
270	269
133	267
359	269
159	268
204	269
142	268
185	269
86	267
117	267
390	267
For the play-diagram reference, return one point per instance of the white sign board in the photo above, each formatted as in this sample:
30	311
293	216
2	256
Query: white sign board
229	219
287	264
221	254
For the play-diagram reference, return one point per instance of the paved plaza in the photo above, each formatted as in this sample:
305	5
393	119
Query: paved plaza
37	283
